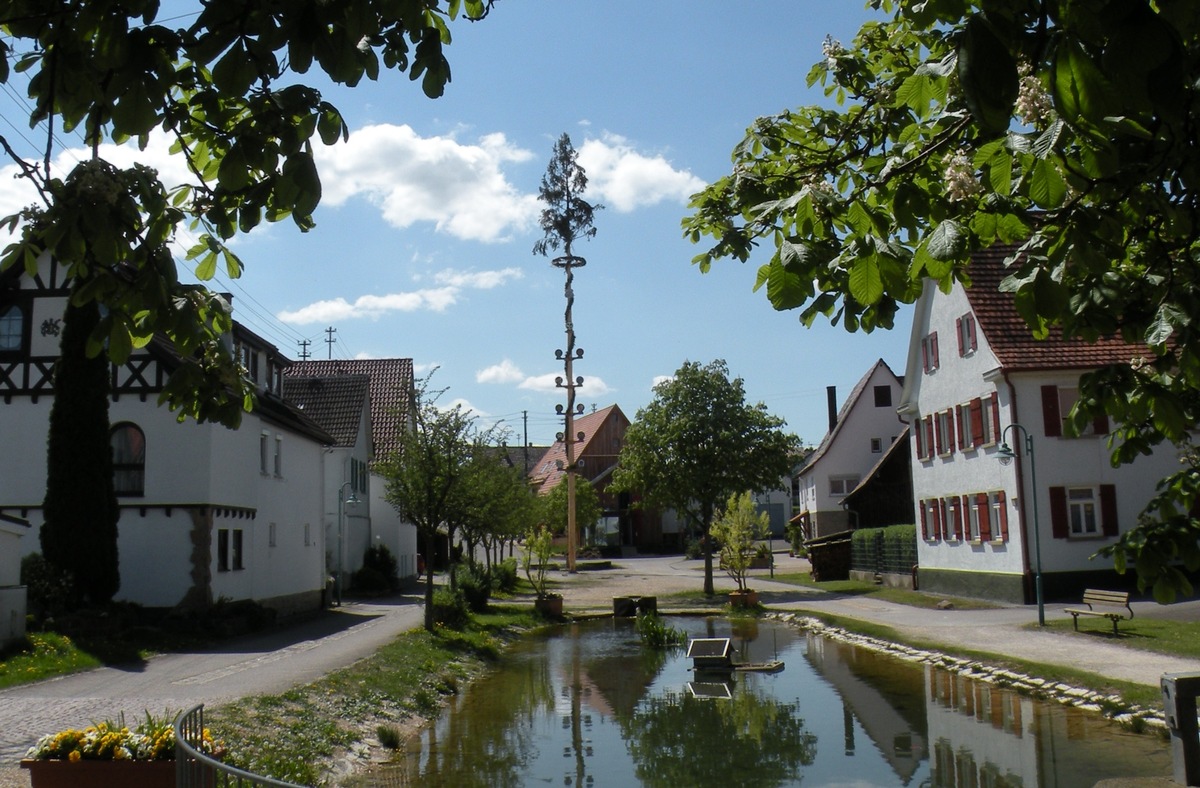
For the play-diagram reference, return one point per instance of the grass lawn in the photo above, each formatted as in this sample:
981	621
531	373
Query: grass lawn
1178	638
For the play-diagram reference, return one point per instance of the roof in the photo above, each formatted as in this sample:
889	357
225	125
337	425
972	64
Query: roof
336	403
830	437
391	387
898	447
1009	336
549	470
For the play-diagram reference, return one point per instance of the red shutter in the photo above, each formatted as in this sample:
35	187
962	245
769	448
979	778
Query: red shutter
1060	527
1003	516
958	330
1050	413
958	424
939	528
976	421
960	519
985	520
925	354
936	360
924	520
950	431
1108	509
971	332
920	436
996	416
937	431
929	436
965	502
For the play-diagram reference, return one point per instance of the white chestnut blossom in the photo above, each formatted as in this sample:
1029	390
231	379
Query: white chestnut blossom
961	183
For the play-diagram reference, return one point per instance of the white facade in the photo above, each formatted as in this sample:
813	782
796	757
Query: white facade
866	426
218	514
12	593
977	529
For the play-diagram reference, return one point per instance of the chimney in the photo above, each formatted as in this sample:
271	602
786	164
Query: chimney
831	396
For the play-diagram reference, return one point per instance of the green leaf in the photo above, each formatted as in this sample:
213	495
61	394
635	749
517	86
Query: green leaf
947	241
866	284
206	268
1047	188
987	74
1164	323
1082	94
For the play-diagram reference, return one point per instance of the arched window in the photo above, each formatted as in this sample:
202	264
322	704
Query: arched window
128	444
12	325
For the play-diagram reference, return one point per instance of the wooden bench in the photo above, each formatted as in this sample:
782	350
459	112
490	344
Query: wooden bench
1113	600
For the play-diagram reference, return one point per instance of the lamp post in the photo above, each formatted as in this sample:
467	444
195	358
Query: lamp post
1006	455
337	585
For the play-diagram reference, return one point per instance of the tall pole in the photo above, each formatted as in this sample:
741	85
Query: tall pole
1006	455
568	262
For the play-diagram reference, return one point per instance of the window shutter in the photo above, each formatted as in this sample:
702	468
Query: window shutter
939	532
996	416
929	436
1050	412
1059	524
950	430
958	423
1108	509
985	519
940	438
936	360
1003	516
920	436
976	421
965	502
924	520
971	332
960	519
958	330
925	354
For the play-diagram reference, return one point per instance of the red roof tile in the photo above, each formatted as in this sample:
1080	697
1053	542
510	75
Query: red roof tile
391	392
546	473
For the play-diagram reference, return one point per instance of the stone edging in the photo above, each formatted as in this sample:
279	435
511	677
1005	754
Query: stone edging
1106	705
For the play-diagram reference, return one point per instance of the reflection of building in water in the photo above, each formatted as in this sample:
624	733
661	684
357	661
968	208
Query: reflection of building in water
978	733
873	692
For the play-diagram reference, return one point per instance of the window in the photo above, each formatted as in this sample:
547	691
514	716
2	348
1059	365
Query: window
945	433
973	532
929	352
263	458
1057	402
12	327
229	549
883	396
965	328
962	422
236	549
842	485
876	445
223	550
989	420
954	523
999	516
277	461
128	444
271	535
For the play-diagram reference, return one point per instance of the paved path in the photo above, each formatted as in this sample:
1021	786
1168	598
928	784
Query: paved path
275	661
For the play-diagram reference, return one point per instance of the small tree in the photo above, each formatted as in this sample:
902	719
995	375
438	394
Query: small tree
539	545
739	529
587	508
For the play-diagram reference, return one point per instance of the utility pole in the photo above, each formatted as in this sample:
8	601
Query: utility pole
330	339
304	354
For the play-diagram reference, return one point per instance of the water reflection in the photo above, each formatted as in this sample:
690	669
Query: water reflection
585	705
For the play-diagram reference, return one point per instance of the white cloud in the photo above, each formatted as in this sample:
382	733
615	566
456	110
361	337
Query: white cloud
621	177
660	379
460	188
593	386
433	299
504	372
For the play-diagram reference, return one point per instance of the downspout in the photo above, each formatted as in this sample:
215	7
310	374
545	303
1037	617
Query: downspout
1020	468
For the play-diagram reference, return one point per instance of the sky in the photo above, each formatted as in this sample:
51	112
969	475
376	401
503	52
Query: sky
424	236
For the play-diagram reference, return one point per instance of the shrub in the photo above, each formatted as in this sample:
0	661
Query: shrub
380	559
370	581
449	608
48	588
504	576
389	736
474	585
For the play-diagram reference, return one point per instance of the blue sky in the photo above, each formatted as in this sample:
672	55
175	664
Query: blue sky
423	241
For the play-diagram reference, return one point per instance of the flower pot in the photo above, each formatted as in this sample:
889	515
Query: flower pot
747	598
549	606
100	774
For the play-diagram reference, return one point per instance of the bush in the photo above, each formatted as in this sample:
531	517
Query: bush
380	559
504	576
474	585
369	580
449	608
48	588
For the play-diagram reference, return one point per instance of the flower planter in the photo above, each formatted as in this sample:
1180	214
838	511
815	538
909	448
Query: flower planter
549	606
100	774
747	598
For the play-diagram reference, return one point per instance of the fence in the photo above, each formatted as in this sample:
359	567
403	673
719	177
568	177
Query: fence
194	769
891	550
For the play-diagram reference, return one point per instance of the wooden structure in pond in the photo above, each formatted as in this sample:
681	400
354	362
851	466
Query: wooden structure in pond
715	655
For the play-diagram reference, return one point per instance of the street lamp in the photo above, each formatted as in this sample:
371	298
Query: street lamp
1006	455
337	585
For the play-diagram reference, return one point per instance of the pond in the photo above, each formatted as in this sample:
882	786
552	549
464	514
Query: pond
586	705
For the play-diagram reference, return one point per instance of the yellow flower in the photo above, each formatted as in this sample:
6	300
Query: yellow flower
74	756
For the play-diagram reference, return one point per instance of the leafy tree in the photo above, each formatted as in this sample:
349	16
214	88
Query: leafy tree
422	477
226	90
587	508
493	500
1064	129
79	535
739	528
697	443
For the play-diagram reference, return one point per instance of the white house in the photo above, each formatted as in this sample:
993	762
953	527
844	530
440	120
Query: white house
859	433
205	512
12	593
366	431
976	379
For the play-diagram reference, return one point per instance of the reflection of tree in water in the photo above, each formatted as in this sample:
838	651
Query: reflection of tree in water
749	740
470	748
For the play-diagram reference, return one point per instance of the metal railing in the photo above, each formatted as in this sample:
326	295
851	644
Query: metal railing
195	769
